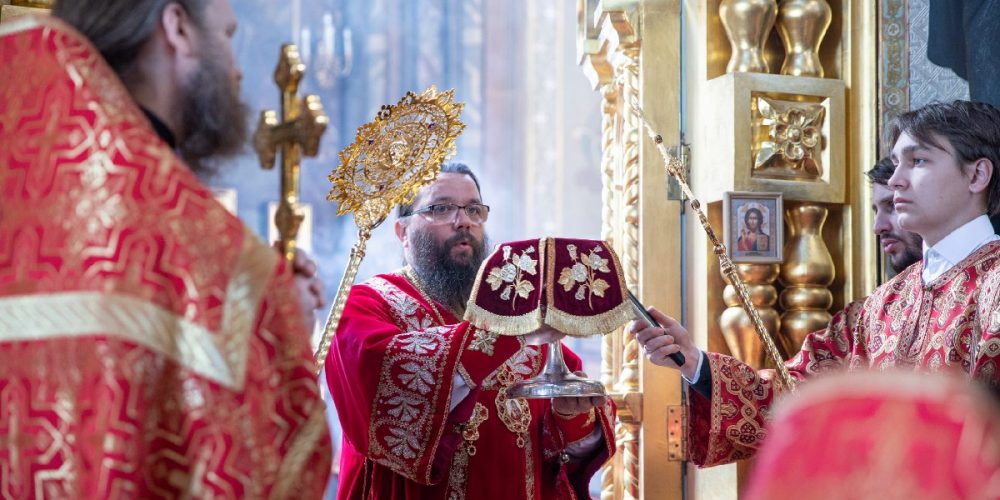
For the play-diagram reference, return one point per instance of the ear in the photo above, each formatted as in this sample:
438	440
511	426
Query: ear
982	173
179	31
400	229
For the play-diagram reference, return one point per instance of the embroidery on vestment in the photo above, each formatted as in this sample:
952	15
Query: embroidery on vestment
525	363
410	382
458	475
406	310
583	274
483	341
509	275
515	412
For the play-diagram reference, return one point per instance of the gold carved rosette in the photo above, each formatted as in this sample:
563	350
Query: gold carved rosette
764	107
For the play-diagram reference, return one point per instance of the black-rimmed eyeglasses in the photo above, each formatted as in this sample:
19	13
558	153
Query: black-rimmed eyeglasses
446	212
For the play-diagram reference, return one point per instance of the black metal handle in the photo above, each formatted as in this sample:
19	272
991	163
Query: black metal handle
640	310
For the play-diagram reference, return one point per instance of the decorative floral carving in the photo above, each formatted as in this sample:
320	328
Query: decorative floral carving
794	138
509	275
583	274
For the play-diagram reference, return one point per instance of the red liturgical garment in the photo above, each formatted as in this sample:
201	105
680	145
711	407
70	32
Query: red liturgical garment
150	345
391	371
950	324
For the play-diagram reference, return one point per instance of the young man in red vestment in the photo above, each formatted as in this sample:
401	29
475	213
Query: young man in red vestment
420	394
150	344
940	314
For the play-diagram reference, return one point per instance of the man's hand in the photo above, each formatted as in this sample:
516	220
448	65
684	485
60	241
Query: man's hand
543	335
571	407
660	343
309	284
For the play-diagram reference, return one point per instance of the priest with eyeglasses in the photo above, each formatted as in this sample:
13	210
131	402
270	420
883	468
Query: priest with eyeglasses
421	394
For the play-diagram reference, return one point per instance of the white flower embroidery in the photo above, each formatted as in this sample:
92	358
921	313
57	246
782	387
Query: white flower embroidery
524	363
509	275
404	408
416	343
416	378
407	311
402	443
583	273
483	341
508	272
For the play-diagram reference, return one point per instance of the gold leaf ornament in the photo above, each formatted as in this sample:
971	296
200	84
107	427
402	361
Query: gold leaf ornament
599	286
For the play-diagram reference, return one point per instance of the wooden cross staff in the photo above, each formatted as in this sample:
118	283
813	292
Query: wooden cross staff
298	133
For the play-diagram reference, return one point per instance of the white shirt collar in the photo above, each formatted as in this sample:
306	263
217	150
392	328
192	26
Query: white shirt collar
958	245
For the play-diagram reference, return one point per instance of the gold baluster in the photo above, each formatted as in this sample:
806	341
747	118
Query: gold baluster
736	326
807	272
747	24
802	25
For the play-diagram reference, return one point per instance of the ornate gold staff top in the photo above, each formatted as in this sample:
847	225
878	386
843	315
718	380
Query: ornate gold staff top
303	123
676	169
390	160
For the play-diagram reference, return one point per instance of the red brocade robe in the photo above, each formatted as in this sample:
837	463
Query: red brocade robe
391	370
951	324
150	345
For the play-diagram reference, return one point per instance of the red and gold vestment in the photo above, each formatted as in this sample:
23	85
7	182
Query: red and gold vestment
391	371
150	344
950	324
880	436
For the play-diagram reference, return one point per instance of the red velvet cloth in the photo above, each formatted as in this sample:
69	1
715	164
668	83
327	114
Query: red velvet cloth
584	290
869	435
951	324
391	369
150	345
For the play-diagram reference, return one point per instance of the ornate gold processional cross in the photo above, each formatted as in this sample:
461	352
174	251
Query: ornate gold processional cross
298	133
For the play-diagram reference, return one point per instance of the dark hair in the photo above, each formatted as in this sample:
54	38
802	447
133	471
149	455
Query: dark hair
760	218
882	171
406	209
972	129
119	28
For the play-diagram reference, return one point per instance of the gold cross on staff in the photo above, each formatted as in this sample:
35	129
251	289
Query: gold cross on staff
302	124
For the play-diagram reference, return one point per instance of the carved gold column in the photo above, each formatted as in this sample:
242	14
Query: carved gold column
628	382
638	40
734	322
807	272
594	58
611	348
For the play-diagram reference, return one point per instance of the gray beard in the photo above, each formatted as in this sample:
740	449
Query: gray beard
441	277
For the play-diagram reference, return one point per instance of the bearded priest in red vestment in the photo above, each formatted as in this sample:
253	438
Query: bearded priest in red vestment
420	394
942	314
150	345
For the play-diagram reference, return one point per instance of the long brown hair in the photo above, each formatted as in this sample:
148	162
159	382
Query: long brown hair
119	28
